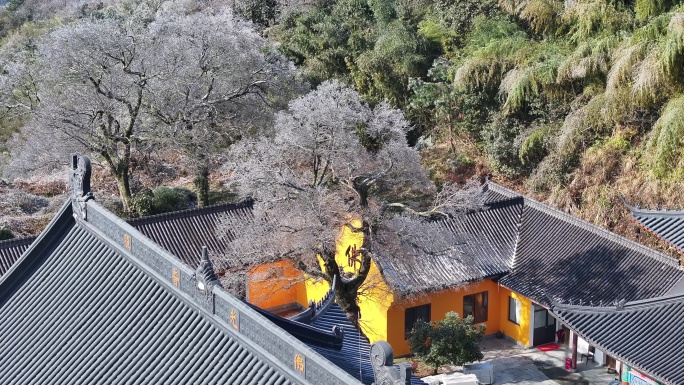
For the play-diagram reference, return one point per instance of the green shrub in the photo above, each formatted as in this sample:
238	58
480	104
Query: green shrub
162	199
5	233
535	147
142	203
666	139
452	340
168	199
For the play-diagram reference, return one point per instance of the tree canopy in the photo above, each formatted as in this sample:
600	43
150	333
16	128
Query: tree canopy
173	78
334	162
453	340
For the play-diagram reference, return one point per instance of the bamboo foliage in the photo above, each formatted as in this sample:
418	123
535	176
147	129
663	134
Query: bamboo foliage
542	15
673	46
518	85
528	80
649	79
494	46
512	6
632	51
667	139
624	61
645	9
589	58
593	17
659	69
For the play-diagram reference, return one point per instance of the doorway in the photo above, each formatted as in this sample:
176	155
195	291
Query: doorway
544	327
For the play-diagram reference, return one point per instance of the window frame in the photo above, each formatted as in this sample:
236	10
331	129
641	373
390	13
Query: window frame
518	308
415	317
485	306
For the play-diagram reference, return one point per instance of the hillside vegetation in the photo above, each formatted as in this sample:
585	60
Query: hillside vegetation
574	102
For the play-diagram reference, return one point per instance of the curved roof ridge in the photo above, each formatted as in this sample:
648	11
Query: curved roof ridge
652	212
229	313
632	305
501	189
600	231
22	241
191	212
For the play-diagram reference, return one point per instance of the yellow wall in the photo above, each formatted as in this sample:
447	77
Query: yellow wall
440	303
375	297
382	315
273	284
312	290
520	333
375	301
280	283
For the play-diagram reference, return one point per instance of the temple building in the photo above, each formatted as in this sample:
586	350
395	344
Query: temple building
92	300
528	272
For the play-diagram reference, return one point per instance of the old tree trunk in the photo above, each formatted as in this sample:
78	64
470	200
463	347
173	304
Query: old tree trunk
347	288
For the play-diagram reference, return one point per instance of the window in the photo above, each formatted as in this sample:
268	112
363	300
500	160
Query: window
413	314
476	305
514	307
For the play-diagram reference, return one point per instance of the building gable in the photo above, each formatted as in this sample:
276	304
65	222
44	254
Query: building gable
94	301
645	334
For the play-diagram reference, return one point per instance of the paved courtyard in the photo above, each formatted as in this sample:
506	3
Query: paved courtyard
517	366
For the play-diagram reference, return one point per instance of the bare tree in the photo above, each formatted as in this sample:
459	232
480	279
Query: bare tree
177	74
92	88
216	83
334	162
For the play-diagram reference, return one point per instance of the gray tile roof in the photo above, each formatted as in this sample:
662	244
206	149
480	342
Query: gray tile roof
95	301
645	334
482	244
540	252
99	324
11	250
182	233
354	356
565	259
667	225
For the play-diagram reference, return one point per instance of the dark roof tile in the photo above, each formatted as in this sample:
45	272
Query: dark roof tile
667	225
182	233
94	301
645	334
481	245
565	259
11	250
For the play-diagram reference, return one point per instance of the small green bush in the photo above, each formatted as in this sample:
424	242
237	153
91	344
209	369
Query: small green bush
533	148
5	233
162	199
452	340
142	203
168	199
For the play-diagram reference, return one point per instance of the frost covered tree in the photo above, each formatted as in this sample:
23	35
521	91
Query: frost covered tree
183	75
334	162
217	81
91	91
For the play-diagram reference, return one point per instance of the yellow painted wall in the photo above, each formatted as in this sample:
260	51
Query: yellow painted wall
280	283
275	283
520	333
375	296
312	290
441	303
383	316
375	301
